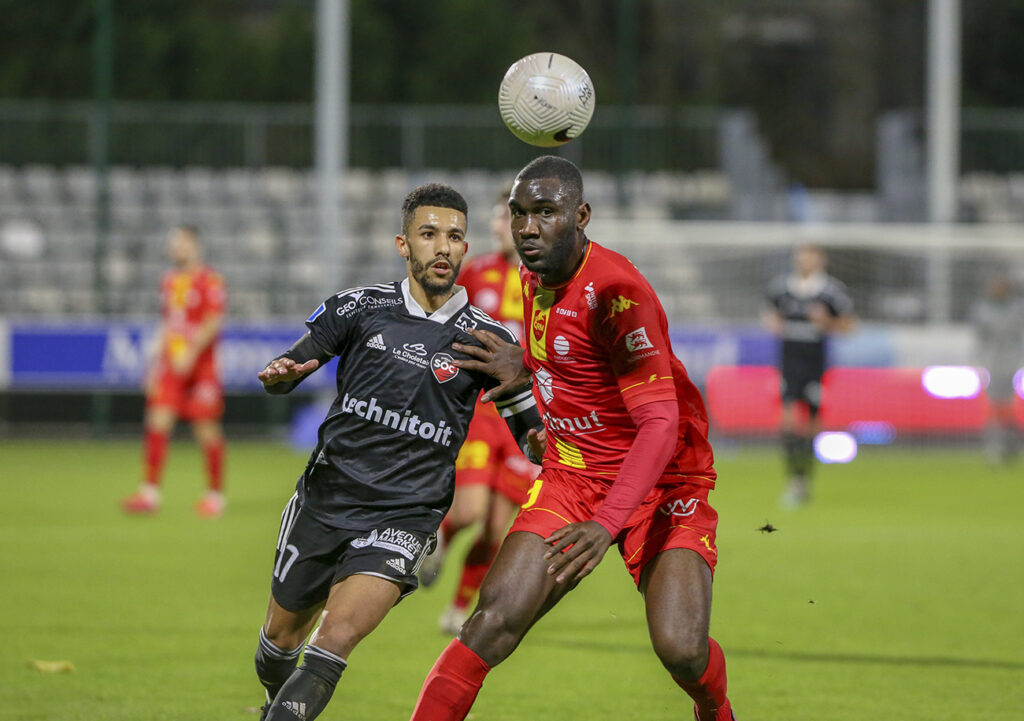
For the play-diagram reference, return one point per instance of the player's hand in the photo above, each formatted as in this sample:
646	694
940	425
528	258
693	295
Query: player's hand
498	358
283	370
589	541
819	315
538	441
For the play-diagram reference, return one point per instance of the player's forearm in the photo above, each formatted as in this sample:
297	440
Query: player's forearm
302	351
519	409
209	329
656	437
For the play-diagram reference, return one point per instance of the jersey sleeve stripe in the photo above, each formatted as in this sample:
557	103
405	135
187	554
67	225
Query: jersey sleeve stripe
509	411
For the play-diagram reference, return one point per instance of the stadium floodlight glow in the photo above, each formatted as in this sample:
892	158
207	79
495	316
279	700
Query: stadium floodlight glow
951	381
1018	382
835	447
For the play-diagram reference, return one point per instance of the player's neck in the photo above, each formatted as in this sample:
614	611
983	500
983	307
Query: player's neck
189	267
427	301
559	279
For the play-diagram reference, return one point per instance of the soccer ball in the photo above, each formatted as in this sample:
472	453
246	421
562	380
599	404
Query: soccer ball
546	99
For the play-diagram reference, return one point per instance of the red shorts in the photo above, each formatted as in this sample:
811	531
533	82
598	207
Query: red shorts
676	516
491	457
197	396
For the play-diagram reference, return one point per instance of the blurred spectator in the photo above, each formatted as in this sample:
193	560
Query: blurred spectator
998	319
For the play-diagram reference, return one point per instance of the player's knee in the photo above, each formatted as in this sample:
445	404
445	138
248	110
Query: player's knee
286	639
684	655
338	636
492	632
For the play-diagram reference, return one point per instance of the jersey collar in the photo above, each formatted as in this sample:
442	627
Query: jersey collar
442	314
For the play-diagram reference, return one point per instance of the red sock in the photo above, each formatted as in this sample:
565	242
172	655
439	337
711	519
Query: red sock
451	686
478	560
154	451
708	692
215	465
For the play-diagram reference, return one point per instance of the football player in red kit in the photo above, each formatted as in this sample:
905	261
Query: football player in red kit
184	381
627	458
492	475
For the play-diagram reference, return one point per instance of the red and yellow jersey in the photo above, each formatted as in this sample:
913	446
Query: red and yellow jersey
187	298
493	285
598	345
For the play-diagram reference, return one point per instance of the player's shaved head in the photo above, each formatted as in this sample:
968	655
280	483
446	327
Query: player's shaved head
434	195
552	166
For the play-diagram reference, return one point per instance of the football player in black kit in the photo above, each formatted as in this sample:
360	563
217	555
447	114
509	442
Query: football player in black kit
805	307
381	478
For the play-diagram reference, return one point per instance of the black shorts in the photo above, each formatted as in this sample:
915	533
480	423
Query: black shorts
800	385
312	556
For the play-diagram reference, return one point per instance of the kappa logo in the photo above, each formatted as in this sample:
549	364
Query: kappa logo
443	367
620	305
638	340
377	342
397	563
679	507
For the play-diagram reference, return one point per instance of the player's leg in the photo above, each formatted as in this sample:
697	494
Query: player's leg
281	639
209	435
468	507
516	593
356	605
478	560
158	424
677	593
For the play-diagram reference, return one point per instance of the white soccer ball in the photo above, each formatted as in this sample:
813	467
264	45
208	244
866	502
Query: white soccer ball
546	99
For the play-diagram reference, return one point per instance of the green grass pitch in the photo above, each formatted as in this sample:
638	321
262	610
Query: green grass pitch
898	594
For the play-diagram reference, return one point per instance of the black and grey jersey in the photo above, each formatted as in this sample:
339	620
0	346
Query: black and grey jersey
793	297
387	447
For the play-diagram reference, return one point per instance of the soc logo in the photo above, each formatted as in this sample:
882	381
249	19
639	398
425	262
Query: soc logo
443	367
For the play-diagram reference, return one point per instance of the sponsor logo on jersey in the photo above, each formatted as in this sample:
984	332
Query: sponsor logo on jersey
443	366
359	300
377	342
465	323
409	354
417	348
397	563
566	312
620	305
638	340
561	345
544	384
540	322
679	507
569	454
392	539
581	424
403	421
591	295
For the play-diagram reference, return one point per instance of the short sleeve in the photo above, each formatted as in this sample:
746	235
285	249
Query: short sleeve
837	298
330	323
635	331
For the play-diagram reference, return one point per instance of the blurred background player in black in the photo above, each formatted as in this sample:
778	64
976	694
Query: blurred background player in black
998	321
184	380
805	307
492	475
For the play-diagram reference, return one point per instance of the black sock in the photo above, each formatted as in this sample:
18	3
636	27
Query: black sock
791	452
310	687
805	456
274	664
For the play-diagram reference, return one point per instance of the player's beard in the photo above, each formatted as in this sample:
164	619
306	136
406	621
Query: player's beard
432	287
556	260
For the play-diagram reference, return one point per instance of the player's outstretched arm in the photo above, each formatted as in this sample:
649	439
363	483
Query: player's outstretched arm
285	372
497	358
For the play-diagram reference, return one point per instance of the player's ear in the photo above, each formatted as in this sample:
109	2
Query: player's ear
402	245
582	216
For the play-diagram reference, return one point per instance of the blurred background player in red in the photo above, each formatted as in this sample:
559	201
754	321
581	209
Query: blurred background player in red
183	382
492	475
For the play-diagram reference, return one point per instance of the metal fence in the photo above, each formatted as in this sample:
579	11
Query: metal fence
381	136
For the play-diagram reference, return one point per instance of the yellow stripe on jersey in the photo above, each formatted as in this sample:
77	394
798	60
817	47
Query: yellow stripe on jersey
511	296
538	330
569	454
